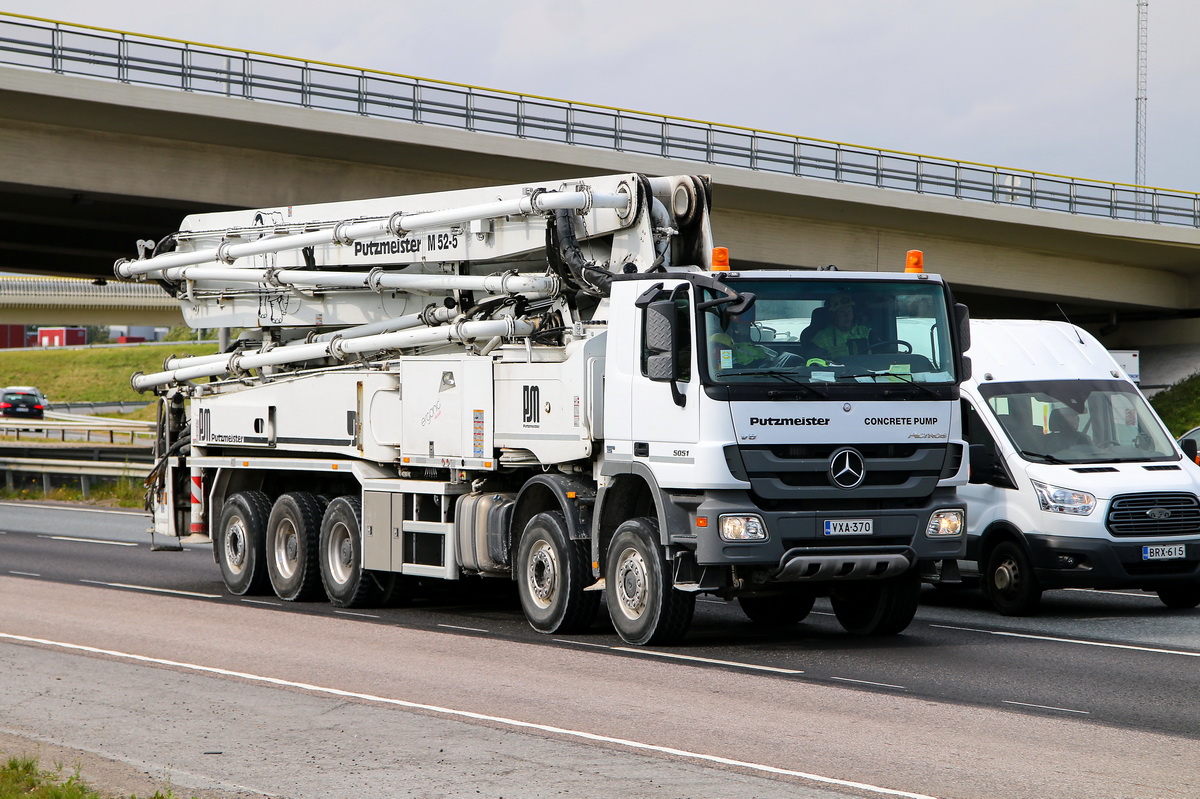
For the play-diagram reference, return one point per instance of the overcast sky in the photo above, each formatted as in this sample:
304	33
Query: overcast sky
1047	85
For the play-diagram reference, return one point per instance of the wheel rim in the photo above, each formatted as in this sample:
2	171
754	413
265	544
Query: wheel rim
542	575
631	584
1007	577
235	546
287	549
340	553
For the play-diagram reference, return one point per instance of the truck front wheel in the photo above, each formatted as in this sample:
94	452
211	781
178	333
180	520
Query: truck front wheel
1009	580
347	583
292	534
241	543
644	605
877	607
552	572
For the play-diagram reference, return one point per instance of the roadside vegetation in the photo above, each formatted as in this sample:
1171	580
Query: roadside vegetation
23	777
1179	405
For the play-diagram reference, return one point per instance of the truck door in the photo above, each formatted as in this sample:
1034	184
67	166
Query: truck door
665	391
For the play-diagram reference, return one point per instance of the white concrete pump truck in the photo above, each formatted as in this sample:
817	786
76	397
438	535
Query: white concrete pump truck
552	383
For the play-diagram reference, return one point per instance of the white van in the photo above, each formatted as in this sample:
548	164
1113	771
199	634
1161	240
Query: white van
1075	482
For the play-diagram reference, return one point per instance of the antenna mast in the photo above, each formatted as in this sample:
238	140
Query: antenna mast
1139	170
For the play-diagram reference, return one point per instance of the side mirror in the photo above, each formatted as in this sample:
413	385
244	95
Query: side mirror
962	316
1189	447
661	337
983	464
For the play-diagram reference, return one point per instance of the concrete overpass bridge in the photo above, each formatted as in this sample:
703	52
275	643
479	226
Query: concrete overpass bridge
108	137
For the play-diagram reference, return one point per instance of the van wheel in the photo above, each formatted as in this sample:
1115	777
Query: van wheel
240	544
1009	581
779	610
642	601
1182	596
347	583
552	571
877	607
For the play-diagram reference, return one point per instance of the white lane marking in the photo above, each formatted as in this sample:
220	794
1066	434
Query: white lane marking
456	627
89	540
694	659
110	511
529	725
25	574
1048	707
1112	593
152	589
352	613
263	602
868	682
1154	650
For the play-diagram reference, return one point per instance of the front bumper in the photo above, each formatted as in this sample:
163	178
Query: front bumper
1100	563
797	547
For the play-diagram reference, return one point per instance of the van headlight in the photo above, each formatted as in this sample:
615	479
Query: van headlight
1063	500
742	528
945	524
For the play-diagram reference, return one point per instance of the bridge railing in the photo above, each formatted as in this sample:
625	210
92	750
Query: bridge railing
147	60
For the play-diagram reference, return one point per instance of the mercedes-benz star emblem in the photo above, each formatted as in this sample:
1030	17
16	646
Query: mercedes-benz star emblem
847	468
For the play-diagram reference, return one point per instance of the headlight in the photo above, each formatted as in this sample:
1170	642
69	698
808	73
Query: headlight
743	528
1063	500
945	524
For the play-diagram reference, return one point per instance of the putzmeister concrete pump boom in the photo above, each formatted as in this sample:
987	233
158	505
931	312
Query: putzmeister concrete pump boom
553	382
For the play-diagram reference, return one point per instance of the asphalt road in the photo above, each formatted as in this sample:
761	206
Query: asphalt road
1096	697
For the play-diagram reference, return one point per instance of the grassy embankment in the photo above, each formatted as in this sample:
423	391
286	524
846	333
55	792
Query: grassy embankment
88	375
1179	405
23	778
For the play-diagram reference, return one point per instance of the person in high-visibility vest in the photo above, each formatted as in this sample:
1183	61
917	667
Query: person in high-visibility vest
843	337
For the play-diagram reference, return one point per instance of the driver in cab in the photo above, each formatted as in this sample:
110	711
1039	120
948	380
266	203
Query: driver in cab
842	336
736	347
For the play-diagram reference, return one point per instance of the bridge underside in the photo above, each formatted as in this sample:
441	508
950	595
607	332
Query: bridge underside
90	167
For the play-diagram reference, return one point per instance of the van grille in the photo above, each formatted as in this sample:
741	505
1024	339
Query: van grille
1154	514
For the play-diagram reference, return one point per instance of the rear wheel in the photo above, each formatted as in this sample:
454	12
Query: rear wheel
347	583
778	610
552	571
241	543
1009	581
877	607
292	535
1182	597
644	605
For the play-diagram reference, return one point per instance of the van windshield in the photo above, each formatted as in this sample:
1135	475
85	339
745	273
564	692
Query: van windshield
1078	421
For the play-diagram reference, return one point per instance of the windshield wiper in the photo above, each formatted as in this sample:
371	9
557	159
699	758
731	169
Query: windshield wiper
784	377
904	378
1043	456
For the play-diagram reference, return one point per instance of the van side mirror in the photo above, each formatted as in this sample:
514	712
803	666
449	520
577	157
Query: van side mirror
1189	447
983	464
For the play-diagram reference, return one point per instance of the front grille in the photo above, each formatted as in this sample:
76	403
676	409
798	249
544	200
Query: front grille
781	473
1134	515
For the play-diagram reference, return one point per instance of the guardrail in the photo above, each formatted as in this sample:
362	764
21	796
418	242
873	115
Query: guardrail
63	48
85	470
81	427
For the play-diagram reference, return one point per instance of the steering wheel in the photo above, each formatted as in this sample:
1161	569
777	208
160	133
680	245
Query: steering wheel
892	341
1109	443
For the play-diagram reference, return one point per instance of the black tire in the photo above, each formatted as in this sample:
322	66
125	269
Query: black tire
347	583
644	605
779	610
1009	581
293	533
877	607
240	545
552	571
1181	596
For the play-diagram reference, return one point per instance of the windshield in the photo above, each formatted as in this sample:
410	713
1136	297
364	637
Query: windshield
832	331
1078	421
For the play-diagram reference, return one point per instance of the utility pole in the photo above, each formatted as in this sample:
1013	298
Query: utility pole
1139	169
